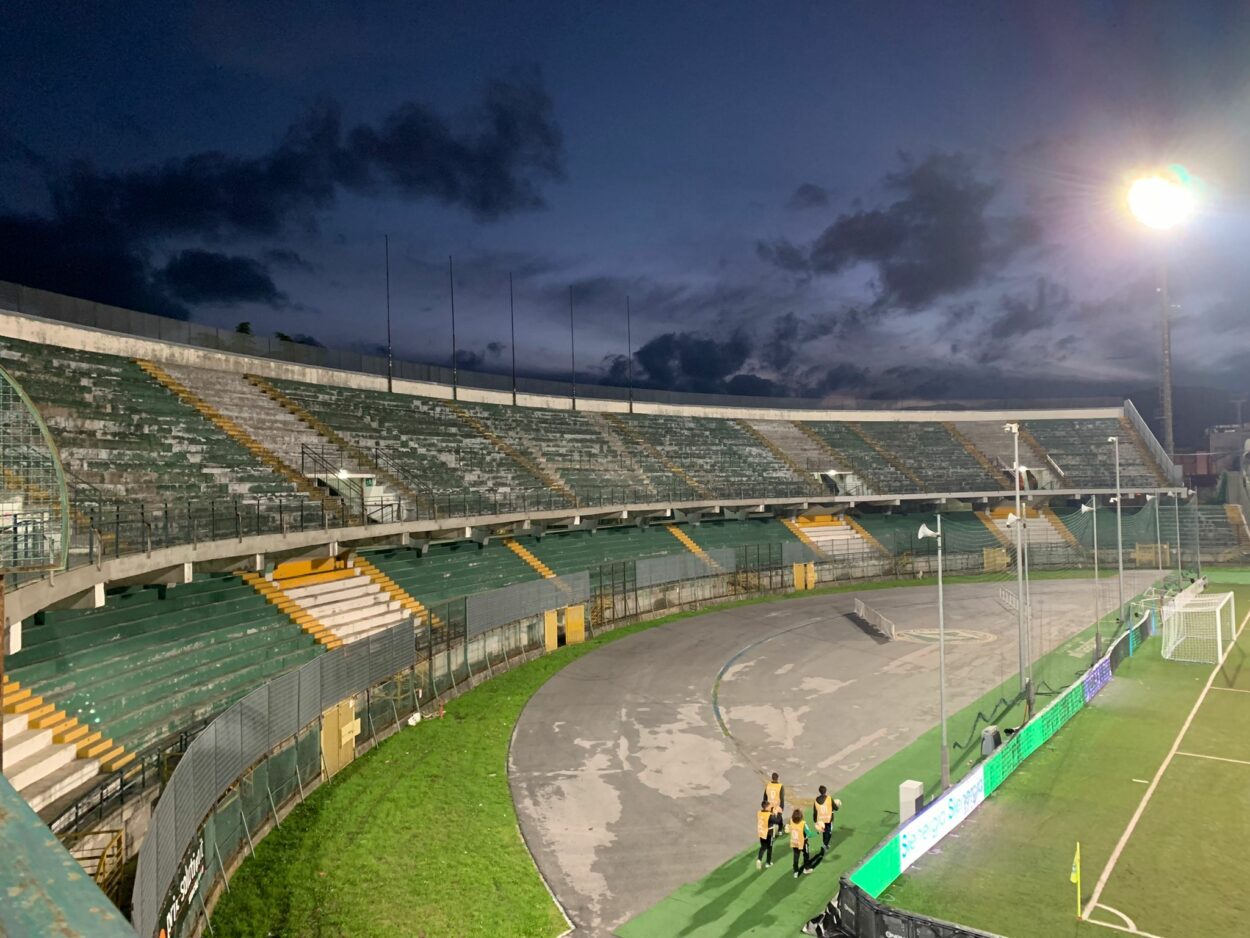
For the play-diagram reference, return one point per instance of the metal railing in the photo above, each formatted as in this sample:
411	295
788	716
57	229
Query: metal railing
1170	470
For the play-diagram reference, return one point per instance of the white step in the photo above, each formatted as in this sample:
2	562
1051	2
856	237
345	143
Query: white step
61	782
356	615
23	773
25	744
14	723
353	631
337	589
320	610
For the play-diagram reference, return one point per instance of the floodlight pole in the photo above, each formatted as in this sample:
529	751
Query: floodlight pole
1165	382
1119	526
1197	534
1014	430
390	357
512	321
1176	505
946	757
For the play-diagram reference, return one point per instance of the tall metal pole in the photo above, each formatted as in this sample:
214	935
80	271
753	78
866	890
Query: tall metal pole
1176	504
629	354
512	321
1014	430
1197	535
1119	526
1097	581
946	757
1158	500
451	282
390	357
1165	383
572	350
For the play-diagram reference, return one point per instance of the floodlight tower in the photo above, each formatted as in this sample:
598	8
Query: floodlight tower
1161	202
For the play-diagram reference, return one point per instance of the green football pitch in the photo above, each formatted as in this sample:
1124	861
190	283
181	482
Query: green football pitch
1153	780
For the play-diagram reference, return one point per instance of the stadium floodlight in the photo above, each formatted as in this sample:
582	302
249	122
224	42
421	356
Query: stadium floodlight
1160	201
1022	637
1119	527
927	532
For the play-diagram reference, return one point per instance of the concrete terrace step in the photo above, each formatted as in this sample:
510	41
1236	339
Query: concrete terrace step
23	745
355	631
339	589
24	773
57	783
333	622
320	610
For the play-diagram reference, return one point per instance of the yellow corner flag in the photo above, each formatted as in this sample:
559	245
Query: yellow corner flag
1076	877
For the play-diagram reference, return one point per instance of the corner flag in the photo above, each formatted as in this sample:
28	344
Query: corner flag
1076	877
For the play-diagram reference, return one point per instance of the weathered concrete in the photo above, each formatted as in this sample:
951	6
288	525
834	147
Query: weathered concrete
622	750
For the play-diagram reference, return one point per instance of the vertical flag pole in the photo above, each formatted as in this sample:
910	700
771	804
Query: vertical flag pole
1076	877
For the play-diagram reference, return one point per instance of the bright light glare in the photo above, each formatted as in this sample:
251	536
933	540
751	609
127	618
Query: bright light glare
1159	202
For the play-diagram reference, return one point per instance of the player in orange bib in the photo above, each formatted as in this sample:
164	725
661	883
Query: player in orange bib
798	842
775	795
764	825
823	809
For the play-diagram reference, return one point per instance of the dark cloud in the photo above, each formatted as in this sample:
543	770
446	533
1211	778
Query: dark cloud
195	276
1022	315
691	361
104	226
809	195
937	238
284	257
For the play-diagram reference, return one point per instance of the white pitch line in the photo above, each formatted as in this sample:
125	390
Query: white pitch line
1154	783
1130	931
1198	755
1132	926
1235	690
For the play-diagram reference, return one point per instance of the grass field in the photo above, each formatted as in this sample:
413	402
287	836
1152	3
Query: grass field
1131	769
419	836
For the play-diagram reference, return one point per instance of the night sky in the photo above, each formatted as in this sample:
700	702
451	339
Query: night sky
846	199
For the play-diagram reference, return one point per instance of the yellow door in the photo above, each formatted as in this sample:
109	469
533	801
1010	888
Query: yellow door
575	625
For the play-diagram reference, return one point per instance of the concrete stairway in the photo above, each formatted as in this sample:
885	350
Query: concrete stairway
688	542
1040	527
346	601
42	746
834	537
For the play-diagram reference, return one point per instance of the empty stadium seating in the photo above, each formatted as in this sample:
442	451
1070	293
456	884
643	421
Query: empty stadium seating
125	434
153	659
583	550
880	473
933	455
1081	450
448	571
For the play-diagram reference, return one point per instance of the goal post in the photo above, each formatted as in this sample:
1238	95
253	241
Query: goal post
1199	627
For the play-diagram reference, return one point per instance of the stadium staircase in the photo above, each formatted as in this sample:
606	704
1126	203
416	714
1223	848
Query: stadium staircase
356	459
999	533
930	455
688	542
837	536
649	475
755	432
537	565
890	458
630	433
45	751
797	530
994	472
344	599
232	429
544	476
878	474
304	619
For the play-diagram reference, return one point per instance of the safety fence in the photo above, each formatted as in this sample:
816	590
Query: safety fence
856	909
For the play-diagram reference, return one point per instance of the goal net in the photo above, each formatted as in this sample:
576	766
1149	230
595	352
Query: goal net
1198	627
